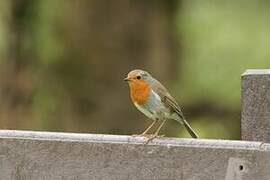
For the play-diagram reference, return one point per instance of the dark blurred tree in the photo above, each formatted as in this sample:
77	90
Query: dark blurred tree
67	59
102	41
16	80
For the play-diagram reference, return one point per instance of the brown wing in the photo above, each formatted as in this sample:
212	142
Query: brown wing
170	102
167	99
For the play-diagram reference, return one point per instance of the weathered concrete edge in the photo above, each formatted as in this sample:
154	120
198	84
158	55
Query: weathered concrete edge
256	72
123	139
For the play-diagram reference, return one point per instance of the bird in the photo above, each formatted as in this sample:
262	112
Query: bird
154	101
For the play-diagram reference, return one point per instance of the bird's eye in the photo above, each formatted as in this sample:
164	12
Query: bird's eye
139	77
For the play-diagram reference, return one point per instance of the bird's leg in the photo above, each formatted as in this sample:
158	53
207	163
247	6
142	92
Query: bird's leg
154	122
156	133
144	133
159	128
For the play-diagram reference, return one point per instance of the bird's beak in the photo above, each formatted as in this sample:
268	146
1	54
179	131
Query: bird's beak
126	79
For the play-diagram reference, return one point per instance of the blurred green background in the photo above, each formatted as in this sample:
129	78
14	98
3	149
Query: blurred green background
62	62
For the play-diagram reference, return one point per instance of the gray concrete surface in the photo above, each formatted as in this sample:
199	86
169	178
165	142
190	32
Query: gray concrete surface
26	155
255	125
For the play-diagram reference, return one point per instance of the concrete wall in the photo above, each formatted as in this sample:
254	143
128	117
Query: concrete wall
44	155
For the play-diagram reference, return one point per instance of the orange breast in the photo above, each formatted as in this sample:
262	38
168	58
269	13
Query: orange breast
139	91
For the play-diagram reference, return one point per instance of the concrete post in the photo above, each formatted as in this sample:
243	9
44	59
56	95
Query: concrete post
255	121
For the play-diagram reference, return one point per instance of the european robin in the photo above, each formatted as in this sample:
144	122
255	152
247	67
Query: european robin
154	101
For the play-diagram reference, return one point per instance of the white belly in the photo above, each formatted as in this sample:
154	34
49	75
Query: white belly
145	111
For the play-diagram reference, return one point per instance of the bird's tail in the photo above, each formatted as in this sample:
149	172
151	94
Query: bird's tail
189	129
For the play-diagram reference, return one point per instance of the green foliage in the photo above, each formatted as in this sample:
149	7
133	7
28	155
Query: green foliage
220	40
212	128
48	40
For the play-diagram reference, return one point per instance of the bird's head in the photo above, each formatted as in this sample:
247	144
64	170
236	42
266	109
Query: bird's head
137	76
138	81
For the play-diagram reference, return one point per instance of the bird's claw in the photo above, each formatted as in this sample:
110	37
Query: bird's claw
150	137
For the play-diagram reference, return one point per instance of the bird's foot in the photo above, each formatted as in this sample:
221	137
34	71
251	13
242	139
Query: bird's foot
150	137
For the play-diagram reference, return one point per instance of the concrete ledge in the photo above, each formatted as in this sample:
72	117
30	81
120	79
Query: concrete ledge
256	72
123	139
48	155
